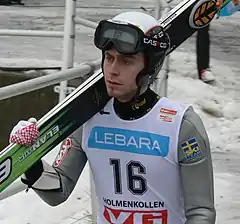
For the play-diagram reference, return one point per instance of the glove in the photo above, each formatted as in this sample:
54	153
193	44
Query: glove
25	132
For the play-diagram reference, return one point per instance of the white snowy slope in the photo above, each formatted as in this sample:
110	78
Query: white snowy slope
222	99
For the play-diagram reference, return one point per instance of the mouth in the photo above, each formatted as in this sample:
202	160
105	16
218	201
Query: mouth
110	82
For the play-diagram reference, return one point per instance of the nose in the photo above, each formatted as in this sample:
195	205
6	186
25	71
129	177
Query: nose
114	68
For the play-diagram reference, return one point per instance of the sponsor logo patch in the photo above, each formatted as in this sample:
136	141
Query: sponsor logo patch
136	106
202	14
167	115
131	141
63	152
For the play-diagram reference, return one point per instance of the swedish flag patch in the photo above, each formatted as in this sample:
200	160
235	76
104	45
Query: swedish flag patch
191	149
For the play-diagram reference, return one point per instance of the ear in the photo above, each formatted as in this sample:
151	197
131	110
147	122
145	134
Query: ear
143	82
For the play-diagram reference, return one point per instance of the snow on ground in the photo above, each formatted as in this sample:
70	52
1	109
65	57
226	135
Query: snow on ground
22	62
223	98
223	129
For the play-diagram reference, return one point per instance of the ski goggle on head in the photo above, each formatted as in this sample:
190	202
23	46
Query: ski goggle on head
129	39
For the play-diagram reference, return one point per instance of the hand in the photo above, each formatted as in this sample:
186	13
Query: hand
25	132
236	2
220	2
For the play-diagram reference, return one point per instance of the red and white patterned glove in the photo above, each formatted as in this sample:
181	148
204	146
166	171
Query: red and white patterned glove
25	132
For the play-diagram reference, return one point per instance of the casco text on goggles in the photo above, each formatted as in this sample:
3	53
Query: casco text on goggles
128	39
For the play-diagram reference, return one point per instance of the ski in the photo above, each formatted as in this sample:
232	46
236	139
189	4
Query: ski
186	18
91	96
88	99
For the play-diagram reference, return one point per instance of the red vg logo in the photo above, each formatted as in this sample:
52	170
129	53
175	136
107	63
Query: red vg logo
116	216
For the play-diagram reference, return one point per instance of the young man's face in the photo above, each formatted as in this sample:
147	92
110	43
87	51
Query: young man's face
120	73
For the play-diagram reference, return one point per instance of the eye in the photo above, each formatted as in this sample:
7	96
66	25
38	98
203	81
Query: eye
109	58
126	61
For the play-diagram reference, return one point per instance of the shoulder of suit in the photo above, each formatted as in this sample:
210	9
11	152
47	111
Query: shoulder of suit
172	104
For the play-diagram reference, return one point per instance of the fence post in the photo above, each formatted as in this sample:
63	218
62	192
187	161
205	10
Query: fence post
160	86
157	11
68	42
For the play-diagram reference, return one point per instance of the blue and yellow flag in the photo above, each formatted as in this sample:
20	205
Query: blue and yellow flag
191	149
